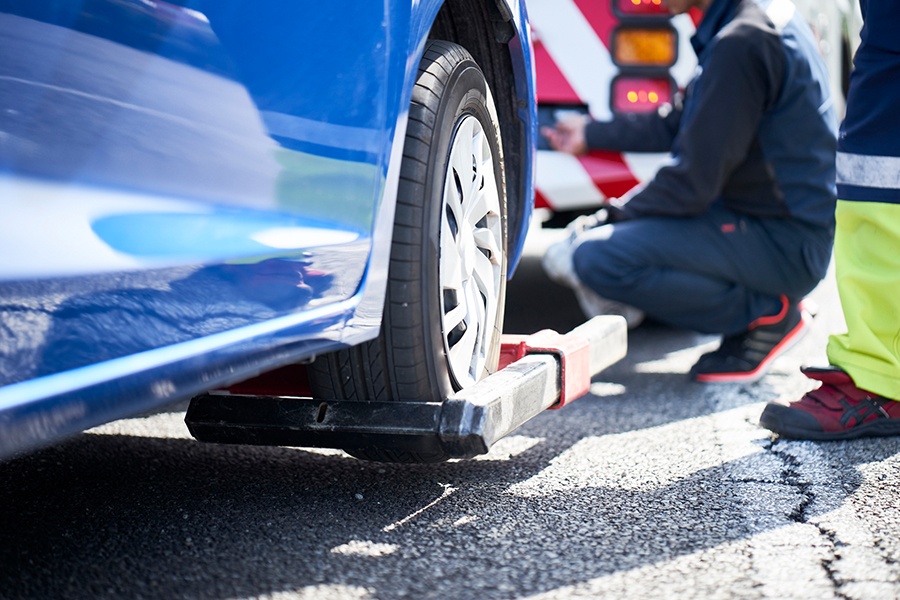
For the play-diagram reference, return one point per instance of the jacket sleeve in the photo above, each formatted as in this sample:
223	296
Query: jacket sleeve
635	132
739	82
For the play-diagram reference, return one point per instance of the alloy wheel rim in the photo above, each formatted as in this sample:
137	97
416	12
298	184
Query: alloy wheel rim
470	252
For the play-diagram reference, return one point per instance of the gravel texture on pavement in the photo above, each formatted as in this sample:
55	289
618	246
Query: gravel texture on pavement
649	487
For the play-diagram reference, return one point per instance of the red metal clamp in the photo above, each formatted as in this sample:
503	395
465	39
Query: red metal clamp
572	351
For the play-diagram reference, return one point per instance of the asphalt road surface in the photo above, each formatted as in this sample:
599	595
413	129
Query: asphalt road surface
649	487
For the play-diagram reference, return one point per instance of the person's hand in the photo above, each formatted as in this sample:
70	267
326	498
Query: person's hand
586	222
568	135
583	223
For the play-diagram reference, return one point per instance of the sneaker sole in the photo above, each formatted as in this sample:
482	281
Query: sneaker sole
774	419
789	341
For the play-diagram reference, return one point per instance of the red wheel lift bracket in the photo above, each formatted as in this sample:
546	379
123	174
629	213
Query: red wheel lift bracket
572	351
539	371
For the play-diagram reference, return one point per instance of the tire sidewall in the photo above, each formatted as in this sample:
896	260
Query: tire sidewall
466	93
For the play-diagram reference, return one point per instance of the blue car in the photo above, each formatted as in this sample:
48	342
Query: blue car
196	192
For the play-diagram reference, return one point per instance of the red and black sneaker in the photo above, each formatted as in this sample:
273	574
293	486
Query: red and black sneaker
837	410
747	356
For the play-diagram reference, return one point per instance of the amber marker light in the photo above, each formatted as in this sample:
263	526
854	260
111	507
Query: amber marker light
644	46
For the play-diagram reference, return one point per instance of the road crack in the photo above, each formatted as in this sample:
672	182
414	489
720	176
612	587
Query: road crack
791	476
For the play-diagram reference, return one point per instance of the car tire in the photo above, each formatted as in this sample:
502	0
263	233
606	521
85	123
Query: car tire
446	289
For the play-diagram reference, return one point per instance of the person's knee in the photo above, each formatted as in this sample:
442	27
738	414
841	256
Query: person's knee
597	267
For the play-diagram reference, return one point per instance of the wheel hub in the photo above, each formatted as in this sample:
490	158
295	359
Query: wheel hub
470	252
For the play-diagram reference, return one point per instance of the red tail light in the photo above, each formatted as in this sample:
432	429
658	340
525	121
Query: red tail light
635	8
640	94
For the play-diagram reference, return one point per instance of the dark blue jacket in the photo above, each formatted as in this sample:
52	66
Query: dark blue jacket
869	144
757	128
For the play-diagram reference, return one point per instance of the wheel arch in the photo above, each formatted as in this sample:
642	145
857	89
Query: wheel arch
499	39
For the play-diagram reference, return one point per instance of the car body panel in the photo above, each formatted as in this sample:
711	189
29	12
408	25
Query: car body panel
194	193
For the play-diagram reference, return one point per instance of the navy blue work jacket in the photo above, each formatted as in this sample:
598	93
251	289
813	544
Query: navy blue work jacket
756	131
868	159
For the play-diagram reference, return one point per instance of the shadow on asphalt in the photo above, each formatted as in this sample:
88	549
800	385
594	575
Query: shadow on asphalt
107	516
125	517
114	516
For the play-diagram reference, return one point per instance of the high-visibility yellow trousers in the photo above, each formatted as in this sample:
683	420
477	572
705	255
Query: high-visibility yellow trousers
867	263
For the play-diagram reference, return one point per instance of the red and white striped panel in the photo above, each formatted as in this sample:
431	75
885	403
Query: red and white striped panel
571	41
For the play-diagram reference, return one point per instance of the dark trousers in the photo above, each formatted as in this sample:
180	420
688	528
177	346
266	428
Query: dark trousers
714	273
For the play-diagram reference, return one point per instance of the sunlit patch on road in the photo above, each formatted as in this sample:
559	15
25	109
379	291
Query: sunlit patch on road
365	548
655	456
327	452
171	425
162	425
509	447
604	389
679	361
322	592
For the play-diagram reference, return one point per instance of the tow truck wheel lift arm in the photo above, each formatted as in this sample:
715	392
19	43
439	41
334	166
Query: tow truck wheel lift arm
539	371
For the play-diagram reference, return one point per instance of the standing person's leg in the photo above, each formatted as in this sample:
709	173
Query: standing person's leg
867	255
858	395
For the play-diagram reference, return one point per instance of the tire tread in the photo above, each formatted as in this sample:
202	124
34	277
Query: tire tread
392	367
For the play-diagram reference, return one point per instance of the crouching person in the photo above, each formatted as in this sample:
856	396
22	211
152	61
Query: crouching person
731	234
